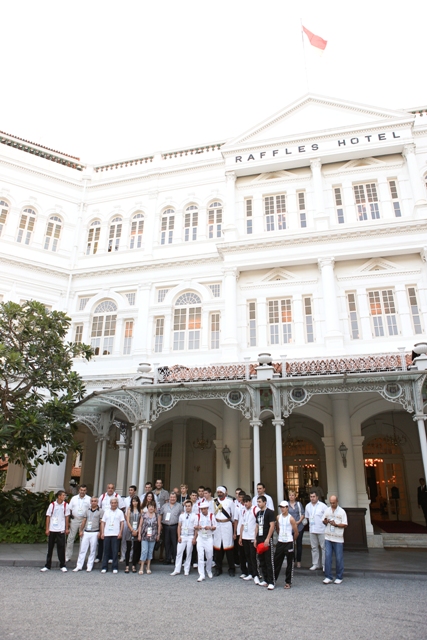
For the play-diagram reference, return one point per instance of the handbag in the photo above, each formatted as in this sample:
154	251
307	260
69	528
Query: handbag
304	520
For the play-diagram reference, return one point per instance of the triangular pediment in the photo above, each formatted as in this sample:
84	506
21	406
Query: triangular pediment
378	264
364	162
273	175
314	114
276	275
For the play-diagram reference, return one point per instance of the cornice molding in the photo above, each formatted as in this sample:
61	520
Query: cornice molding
378	274
31	266
135	268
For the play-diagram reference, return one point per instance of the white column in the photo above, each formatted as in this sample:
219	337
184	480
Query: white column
97	465
136	439
331	465
229	341
418	189
403	310
122	464
279	459
342	432
256	424
423	441
143	460
321	219
331	314
229	228
104	440
230	437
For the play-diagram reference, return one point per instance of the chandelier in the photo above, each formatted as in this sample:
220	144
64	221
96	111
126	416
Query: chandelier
202	443
395	440
290	442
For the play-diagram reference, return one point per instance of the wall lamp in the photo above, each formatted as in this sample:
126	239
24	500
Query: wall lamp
226	453
343	451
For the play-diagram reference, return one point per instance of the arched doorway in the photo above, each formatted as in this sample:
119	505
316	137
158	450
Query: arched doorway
385	479
301	465
162	463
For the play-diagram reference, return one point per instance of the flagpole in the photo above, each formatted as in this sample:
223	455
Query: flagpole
305	59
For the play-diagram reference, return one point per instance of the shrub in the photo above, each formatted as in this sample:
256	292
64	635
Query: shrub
22	533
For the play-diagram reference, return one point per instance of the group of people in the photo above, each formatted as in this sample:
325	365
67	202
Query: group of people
196	529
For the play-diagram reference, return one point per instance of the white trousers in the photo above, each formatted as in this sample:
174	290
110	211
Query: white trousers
74	528
204	547
223	535
187	543
317	540
123	544
89	541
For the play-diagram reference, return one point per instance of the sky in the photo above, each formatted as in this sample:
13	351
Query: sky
111	80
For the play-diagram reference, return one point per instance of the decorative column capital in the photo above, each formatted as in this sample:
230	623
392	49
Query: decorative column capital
231	271
255	423
278	422
230	176
423	254
326	262
408	150
315	163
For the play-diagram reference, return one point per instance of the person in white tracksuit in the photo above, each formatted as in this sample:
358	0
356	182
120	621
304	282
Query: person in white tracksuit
186	538
205	527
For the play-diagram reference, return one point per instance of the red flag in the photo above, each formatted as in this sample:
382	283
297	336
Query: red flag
314	40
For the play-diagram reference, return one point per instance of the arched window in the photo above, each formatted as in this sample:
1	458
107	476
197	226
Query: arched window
104	328
136	231
115	234
53	231
190	223
187	322
26	226
93	237
214	220
168	225
4	210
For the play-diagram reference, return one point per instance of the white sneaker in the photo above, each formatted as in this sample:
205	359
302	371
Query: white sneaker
270	587
195	565
44	569
337	581
88	570
76	569
263	584
175	573
110	561
96	560
256	580
243	576
67	559
313	568
210	574
186	574
248	578
115	571
103	570
200	578
327	581
64	569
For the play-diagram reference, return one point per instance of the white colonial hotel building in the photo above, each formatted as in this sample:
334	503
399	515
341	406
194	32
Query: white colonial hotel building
304	238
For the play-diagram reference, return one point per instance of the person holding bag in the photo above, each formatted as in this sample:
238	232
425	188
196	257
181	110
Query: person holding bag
297	511
133	518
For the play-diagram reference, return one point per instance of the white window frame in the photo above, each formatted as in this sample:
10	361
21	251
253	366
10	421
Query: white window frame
249	211
252	323
302	209
93	235
215	211
4	211
83	300
307	302
191	221
161	294
130	297
27	223
127	337
136	231
167	226
280	321
115	234
275	209
367	201
353	316
159	333
415	309
103	328
384	322
187	322
395	200
53	233
78	333
214	329
216	289
339	207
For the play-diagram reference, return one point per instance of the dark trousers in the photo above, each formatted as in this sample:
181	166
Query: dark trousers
111	550
136	552
237	557
298	546
59	539
219	557
265	563
171	541
248	551
284	549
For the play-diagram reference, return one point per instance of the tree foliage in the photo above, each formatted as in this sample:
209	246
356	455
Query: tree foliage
38	387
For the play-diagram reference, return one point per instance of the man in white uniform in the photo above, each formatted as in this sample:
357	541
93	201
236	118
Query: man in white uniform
205	528
224	532
79	504
90	533
315	512
335	520
104	503
111	532
186	538
261	492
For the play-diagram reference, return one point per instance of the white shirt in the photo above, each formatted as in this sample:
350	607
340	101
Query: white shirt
226	504
285	529
105	499
315	514
57	513
205	521
247	520
211	505
270	503
188	524
239	507
335	534
79	505
112	521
